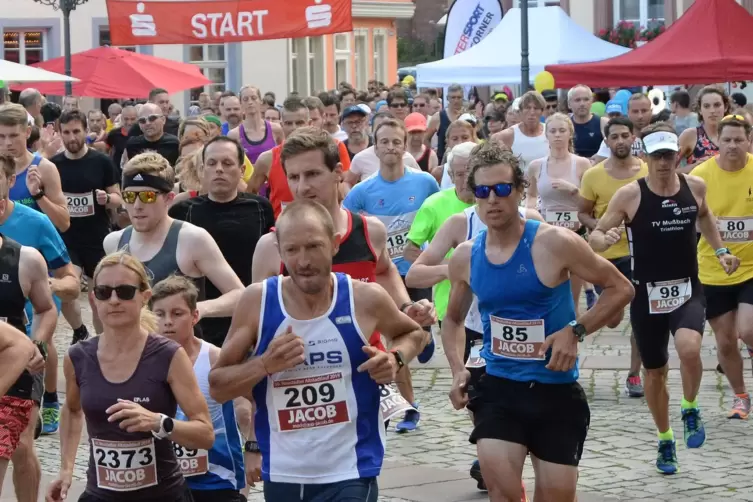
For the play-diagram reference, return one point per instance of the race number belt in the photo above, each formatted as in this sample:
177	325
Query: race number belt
124	466
392	403
516	339
474	358
396	241
564	219
80	204
666	296
312	402
735	229
192	462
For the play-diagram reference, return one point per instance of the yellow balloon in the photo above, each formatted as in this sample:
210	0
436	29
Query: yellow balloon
409	79
544	81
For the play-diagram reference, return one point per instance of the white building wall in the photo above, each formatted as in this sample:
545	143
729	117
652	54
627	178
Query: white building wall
582	12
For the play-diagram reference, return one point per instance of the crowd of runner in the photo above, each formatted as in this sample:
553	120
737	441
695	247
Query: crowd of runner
260	275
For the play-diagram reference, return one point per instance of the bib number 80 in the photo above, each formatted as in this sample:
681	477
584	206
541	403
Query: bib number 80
519	334
669	292
733	226
309	395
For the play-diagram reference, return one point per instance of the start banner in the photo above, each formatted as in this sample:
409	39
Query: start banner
134	22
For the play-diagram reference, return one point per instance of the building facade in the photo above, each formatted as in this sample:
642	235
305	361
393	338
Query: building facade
33	33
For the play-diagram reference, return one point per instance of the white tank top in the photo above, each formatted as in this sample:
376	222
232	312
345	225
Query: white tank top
529	148
551	198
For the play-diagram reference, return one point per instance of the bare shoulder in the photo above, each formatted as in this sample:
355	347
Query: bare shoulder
582	164
194	235
369	291
555	239
689	135
629	191
377	231
462	253
276	127
234	133
251	295
110	244
434	118
33	259
533	167
696	183
47	168
214	353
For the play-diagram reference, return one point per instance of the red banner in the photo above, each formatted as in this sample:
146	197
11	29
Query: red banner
134	22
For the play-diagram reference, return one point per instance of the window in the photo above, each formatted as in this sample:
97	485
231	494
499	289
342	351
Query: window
212	60
316	65
540	3
380	56
644	13
104	39
362	59
24	47
342	58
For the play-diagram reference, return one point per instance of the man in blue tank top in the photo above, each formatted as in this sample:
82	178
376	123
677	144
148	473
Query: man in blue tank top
314	376
588	127
529	400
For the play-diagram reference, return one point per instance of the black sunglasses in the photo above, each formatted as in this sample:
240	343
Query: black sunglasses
123	292
149	118
663	154
500	190
398	105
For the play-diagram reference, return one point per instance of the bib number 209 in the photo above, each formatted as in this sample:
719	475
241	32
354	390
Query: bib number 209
310	395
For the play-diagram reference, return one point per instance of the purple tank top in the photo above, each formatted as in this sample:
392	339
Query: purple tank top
128	465
255	148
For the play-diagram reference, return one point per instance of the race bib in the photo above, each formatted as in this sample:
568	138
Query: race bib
735	229
564	219
666	296
392	403
396	242
124	466
308	403
192	462
474	359
80	204
515	339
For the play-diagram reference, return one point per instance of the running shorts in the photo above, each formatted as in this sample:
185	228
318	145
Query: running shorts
551	420
624	265
85	257
723	299
217	496
183	496
15	414
418	294
652	330
351	490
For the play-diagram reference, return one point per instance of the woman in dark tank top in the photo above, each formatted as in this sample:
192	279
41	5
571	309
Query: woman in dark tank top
126	384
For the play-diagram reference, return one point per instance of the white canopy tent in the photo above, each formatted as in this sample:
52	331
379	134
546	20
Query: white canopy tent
19	73
553	38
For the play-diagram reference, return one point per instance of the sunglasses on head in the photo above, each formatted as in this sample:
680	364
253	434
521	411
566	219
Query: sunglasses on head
149	118
500	190
147	196
123	292
734	117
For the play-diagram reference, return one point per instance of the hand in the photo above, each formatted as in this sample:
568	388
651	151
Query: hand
135	418
422	312
459	389
564	186
36	363
729	262
58	489
102	197
564	345
33	180
382	366
92	136
252	462
284	352
612	236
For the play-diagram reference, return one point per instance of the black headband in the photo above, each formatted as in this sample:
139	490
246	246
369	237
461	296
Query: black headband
147	180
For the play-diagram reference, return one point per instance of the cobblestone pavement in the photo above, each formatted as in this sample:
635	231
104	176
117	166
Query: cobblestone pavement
621	445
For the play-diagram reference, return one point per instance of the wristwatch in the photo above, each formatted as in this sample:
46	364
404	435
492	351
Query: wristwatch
405	306
166	426
39	194
719	252
251	447
399	359
578	330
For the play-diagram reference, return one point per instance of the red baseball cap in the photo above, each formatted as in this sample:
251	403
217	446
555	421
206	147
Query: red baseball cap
415	122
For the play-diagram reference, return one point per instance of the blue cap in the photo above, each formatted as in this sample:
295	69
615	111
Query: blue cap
614	107
357	109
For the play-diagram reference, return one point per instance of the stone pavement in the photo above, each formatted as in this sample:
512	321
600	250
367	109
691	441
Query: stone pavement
431	464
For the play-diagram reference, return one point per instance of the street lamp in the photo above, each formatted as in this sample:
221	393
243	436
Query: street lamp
67	6
524	66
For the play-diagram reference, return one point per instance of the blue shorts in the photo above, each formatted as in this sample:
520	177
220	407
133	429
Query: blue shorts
353	490
30	312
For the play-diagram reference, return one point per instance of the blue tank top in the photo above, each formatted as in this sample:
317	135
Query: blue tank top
518	316
19	192
588	137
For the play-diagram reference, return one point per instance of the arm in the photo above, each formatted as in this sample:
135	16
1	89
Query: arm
421	230
111	241
197	431
706	219
115	199
34	273
504	138
65	283
532	196
437	171
212	265
53	204
261	172
404	334
277	133
71	421
266	261
431	129
433	163
461	296
430	267
16	350
351	178
532	214
615	215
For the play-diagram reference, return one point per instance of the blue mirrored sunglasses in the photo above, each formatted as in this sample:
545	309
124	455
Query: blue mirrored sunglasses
500	190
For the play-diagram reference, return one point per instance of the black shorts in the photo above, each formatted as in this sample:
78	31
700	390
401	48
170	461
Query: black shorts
624	265
85	257
183	496
476	373
217	496
417	294
551	420
652	330
723	299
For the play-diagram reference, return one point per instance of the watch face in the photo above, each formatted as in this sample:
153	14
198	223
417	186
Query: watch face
168	425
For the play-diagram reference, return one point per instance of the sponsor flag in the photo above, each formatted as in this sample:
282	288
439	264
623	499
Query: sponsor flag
469	22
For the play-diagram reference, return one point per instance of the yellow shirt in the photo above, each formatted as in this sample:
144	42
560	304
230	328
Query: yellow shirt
248	169
729	195
599	187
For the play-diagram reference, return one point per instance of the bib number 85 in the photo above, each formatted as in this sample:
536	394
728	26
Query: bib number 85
310	395
667	292
519	334
122	456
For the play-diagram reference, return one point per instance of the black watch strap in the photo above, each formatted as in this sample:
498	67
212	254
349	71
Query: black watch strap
399	359
39	194
251	447
405	306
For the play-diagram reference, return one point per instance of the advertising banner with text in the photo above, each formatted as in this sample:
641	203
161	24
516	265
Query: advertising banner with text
219	21
469	22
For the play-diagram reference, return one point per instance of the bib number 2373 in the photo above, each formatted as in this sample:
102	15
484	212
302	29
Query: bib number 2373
517	339
311	402
665	297
124	466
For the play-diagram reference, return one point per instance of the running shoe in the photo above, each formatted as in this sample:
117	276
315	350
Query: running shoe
740	408
80	335
695	433
50	418
666	459
428	352
590	298
410	421
634	386
476	474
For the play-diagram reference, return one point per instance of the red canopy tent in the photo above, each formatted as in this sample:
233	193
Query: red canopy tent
712	42
108	72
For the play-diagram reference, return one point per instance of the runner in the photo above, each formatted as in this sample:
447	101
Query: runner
527	139
588	127
682	116
216	474
441	120
700	143
598	186
729	297
660	212
37	181
529	400
153	138
232	116
426	158
394	195
639	113
161	98
125	383
397	102
458	132
255	134
356	124
118	137
167	246
322	319
331	116
554	182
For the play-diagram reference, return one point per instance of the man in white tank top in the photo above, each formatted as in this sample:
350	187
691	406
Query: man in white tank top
314	376
527	139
